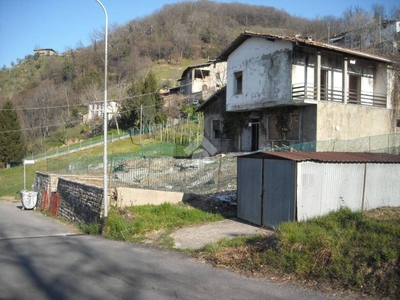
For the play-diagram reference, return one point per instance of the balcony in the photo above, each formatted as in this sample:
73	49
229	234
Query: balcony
309	92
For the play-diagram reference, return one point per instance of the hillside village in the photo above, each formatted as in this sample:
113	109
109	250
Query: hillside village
259	120
182	69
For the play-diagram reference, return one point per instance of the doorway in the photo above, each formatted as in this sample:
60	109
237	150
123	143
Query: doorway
255	131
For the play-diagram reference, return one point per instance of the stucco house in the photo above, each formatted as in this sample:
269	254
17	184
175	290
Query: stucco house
286	90
96	110
202	80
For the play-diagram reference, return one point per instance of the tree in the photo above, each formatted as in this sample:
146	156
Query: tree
12	144
145	94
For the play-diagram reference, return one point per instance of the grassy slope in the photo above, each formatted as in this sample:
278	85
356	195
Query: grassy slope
12	179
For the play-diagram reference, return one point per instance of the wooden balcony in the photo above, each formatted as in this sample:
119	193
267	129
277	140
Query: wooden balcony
309	92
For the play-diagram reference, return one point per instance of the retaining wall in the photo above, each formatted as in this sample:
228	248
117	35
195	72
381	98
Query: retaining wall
81	202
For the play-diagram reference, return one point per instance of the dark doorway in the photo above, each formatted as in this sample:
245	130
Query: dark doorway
354	89
255	131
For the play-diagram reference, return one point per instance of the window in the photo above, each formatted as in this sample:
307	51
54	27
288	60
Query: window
324	85
216	129
238	82
201	74
398	123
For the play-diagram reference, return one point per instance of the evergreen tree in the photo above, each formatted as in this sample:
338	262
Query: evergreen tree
12	144
143	92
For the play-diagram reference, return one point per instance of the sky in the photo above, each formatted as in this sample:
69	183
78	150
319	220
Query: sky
61	24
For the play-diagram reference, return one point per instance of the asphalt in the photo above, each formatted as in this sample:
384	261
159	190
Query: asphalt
193	237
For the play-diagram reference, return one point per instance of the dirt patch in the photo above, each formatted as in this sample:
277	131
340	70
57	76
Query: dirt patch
223	203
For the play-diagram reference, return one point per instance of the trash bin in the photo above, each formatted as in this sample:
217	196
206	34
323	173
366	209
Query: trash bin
28	199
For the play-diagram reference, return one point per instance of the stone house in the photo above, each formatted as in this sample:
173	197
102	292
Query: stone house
285	91
202	80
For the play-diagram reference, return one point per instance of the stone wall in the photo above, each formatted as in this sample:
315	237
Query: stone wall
78	202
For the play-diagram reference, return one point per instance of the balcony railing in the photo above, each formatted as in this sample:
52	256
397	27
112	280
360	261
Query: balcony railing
309	92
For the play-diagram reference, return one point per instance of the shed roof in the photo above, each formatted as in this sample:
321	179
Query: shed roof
301	41
328	157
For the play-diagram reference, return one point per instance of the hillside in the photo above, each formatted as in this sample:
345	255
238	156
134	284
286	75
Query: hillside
51	92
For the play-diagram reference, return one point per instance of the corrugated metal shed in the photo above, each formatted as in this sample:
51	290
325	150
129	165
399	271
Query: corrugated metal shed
275	187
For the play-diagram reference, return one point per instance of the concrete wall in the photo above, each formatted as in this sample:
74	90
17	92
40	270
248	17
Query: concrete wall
134	197
266	69
215	111
337	121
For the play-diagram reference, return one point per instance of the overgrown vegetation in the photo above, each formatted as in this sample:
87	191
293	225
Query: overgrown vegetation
357	251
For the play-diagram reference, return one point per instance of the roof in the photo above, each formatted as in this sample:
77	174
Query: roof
44	49
328	157
301	41
207	64
211	99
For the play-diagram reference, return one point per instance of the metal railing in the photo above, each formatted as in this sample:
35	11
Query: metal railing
309	92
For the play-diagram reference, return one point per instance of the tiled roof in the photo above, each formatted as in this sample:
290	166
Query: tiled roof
301	41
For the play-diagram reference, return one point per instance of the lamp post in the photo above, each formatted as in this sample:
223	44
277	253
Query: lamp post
105	192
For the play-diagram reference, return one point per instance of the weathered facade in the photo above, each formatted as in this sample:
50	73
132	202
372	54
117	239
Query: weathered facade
297	90
216	137
203	80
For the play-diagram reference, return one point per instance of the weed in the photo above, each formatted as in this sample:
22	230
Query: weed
359	251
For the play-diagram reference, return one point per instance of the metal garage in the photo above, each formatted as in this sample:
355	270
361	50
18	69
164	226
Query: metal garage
275	187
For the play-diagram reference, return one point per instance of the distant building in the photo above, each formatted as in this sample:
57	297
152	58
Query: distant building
45	51
96	110
201	81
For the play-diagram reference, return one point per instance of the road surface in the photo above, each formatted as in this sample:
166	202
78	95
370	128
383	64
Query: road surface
42	258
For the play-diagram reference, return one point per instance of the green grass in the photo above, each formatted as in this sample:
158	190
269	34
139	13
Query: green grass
351	250
134	223
12	179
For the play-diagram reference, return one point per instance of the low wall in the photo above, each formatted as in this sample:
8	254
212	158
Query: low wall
79	202
82	202
44	182
133	197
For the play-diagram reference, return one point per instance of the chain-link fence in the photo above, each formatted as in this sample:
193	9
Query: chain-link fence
198	176
387	143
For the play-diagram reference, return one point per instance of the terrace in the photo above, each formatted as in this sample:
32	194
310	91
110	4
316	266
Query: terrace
309	92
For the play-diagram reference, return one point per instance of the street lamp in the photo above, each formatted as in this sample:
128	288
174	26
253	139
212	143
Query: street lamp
105	192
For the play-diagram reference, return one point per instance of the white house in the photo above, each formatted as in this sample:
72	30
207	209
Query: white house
290	90
96	110
202	80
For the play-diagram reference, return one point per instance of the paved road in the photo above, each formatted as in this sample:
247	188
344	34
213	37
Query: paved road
41	258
